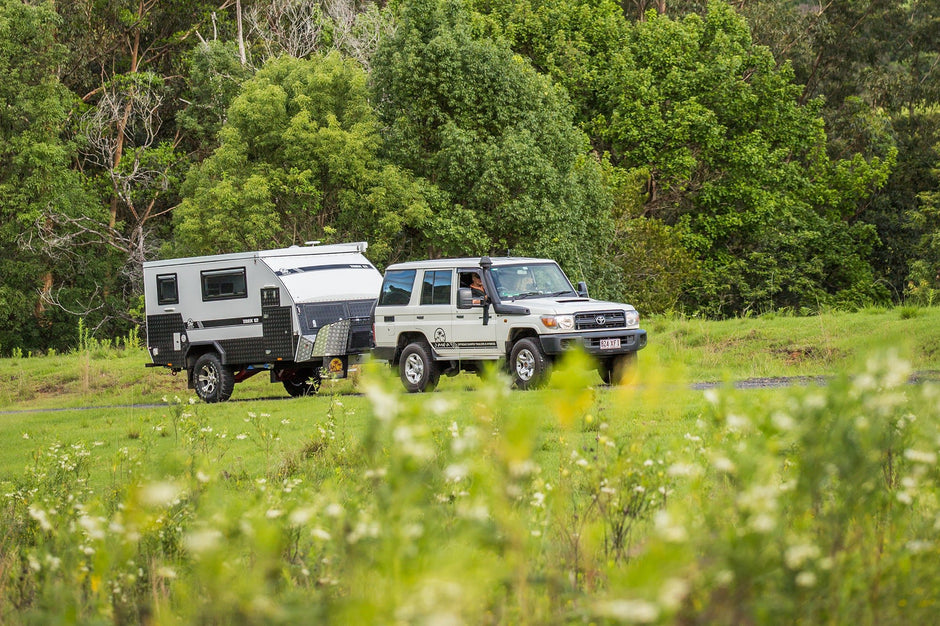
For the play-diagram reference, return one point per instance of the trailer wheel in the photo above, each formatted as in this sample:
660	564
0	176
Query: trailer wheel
302	383
418	370
214	382
531	369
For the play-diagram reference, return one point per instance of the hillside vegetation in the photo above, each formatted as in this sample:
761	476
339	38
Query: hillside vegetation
709	158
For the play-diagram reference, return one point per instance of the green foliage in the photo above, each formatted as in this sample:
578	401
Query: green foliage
495	138
297	162
738	165
215	76
35	180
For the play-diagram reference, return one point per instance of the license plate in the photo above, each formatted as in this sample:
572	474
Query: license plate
610	344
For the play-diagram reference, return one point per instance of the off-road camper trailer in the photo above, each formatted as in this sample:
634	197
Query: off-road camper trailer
290	312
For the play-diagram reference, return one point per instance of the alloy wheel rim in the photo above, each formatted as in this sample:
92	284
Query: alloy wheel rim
414	368
525	365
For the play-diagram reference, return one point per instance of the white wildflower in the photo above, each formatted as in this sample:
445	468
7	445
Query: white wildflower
724	464
40	516
672	593
633	611
92	527
806	579
455	472
320	534
669	529
202	540
159	494
796	555
918	456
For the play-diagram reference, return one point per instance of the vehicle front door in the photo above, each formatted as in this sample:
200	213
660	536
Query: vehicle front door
475	341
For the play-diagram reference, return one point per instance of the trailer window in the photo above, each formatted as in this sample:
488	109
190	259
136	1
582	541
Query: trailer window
435	288
396	289
224	284
167	292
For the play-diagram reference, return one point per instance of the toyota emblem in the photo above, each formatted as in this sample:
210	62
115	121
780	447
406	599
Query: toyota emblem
600	319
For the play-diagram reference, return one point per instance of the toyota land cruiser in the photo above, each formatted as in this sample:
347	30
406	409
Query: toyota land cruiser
429	321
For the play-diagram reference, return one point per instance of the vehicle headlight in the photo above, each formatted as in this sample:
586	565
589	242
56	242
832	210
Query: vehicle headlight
561	322
631	318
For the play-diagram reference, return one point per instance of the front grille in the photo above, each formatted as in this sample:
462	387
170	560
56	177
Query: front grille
600	319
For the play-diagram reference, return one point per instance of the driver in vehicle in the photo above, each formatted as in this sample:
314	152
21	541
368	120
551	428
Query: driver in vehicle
476	289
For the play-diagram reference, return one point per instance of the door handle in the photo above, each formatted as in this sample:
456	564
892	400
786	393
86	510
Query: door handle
170	310
420	317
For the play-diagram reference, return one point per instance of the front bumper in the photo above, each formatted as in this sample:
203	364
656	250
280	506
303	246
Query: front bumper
590	342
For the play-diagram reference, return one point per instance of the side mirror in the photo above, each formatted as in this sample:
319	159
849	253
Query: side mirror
464	298
582	289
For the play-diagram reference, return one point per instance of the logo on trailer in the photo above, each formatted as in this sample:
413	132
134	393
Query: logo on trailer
336	366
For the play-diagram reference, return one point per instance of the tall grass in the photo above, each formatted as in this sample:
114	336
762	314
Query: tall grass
574	504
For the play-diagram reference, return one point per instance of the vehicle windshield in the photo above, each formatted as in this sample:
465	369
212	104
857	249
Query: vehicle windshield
515	282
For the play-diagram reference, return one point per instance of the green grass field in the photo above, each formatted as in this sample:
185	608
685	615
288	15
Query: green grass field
650	502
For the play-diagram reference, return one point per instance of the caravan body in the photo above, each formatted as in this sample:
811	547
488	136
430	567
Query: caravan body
292	311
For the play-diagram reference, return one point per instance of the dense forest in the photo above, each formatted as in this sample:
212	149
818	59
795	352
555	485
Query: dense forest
711	158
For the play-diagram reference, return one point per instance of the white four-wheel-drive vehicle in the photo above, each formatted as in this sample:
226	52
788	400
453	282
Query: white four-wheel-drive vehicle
430	321
291	312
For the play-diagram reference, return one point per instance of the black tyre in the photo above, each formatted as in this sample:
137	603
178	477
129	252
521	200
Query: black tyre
530	368
213	381
302	383
615	369
418	370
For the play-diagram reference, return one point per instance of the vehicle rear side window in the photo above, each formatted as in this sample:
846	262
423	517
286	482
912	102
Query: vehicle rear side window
396	289
167	291
226	284
435	288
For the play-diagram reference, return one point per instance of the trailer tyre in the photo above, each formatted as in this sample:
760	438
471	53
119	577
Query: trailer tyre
213	381
418	370
531	369
302	383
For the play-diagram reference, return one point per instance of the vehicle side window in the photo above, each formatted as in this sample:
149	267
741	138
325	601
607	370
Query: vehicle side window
226	284
396	288
435	288
167	291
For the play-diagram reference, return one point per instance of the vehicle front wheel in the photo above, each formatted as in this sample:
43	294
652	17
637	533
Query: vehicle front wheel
531	369
615	370
213	381
302	383
418	370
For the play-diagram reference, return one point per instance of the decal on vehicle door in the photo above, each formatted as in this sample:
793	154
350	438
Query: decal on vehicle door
440	340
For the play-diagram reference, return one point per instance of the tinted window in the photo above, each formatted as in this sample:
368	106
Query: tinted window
224	284
167	292
396	289
435	289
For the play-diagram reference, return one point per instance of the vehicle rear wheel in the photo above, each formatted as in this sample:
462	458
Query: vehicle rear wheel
213	381
531	369
418	370
302	383
616	369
